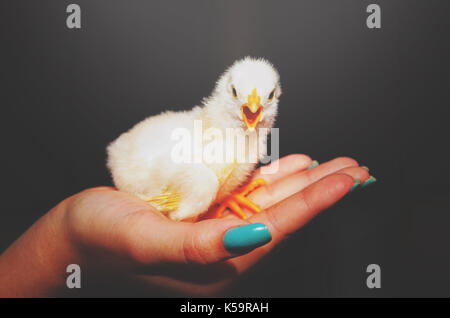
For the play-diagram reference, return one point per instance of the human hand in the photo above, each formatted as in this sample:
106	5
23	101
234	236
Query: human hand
191	257
108	229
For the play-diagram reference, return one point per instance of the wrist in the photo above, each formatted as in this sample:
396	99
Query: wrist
35	264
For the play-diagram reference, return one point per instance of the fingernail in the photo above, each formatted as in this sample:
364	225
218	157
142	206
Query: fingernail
315	163
245	238
369	181
355	185
365	168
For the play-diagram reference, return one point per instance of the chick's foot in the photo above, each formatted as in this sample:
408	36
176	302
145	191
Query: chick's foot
238	199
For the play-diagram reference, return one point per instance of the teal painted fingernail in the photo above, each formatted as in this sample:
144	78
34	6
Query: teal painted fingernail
315	163
369	181
245	238
355	185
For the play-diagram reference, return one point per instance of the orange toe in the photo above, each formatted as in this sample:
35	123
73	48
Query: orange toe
247	203
238	199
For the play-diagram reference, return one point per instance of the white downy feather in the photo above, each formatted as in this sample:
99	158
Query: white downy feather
140	159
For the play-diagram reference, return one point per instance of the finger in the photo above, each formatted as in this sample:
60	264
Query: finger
291	214
279	169
100	188
358	173
283	167
280	190
157	240
294	212
216	240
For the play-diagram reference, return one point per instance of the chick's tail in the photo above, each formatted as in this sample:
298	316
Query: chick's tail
187	191
166	202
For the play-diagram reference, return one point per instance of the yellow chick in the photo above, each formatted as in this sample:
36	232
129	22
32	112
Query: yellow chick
184	162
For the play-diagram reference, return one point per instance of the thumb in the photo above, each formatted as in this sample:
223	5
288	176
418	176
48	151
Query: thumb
160	240
215	240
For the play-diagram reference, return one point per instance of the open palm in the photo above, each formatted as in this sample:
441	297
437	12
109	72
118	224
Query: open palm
119	230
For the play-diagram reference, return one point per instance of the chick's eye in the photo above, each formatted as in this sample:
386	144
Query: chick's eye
234	92
271	94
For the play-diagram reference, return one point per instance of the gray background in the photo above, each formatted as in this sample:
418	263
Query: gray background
381	96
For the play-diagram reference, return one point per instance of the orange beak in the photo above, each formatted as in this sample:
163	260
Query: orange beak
252	111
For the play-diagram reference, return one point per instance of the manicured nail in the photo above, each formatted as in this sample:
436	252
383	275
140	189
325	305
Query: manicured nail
355	185
369	181
243	239
315	163
365	168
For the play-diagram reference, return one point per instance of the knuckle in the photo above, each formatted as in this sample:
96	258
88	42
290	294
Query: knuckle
274	223
303	203
269	193
193	250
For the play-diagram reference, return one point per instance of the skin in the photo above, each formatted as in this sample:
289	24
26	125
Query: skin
102	229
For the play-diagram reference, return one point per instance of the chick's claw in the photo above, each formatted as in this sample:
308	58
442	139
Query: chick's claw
238	199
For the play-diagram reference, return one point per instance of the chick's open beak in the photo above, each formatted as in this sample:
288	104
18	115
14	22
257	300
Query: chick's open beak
252	110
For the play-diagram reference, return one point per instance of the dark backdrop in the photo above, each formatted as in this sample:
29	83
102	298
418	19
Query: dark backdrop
381	96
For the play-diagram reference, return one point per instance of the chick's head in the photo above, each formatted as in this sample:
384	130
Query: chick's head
250	89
